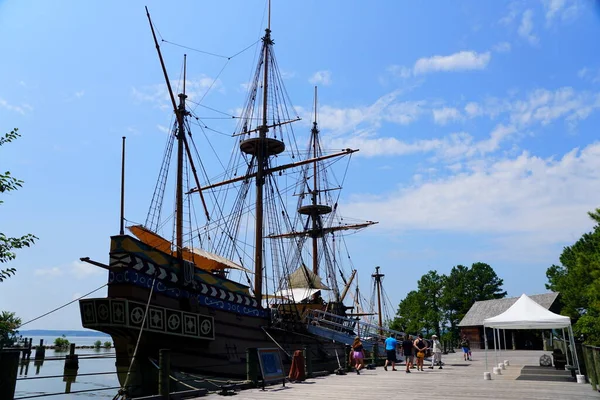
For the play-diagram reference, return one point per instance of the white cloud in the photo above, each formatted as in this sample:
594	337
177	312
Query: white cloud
472	109
77	269
163	129
589	75
502	47
321	77
287	74
400	71
79	94
525	195
526	27
22	109
566	10
81	270
158	94
444	115
515	117
461	61
513	13
76	295
54	271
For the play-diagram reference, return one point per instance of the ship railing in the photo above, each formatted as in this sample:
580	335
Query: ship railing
368	333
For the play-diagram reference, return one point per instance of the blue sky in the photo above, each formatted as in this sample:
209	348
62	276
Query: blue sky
476	122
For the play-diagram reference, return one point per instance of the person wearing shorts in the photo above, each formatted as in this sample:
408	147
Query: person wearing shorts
390	348
407	350
466	347
421	346
357	355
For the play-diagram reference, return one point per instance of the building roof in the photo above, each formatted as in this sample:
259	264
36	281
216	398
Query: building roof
490	308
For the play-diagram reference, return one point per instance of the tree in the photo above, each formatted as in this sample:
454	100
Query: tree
9	323
578	281
455	301
8	244
442	299
483	283
411	313
61	343
431	286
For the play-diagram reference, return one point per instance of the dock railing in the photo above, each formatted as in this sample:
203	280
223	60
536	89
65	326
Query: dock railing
591	358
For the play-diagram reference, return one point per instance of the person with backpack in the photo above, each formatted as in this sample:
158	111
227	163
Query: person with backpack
466	348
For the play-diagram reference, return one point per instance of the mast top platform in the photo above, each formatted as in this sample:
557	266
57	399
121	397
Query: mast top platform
269	146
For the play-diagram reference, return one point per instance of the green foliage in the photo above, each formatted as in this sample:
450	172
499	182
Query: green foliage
107	345
578	281
444	300
431	286
411	313
98	344
8	244
9	323
61	343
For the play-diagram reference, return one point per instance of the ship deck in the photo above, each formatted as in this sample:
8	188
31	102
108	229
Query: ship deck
458	379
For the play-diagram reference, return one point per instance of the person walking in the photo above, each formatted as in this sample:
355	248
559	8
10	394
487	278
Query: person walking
407	350
390	348
421	346
436	358
466	348
357	355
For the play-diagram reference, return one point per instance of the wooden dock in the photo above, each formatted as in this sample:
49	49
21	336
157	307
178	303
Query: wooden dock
458	379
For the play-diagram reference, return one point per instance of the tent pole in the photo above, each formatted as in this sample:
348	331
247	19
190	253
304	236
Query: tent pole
486	347
495	352
574	348
566	348
504	333
499	344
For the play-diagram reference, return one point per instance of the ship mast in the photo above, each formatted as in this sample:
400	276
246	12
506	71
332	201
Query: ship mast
378	277
262	148
315	133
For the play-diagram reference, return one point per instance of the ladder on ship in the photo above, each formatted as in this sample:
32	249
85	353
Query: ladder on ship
344	329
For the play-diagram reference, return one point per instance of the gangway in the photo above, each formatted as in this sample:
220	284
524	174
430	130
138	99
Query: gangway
344	329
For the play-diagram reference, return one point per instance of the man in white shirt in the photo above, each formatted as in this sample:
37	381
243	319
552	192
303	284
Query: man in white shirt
436	358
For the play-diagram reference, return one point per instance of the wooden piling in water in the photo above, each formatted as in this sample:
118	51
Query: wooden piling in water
40	351
72	359
9	366
164	372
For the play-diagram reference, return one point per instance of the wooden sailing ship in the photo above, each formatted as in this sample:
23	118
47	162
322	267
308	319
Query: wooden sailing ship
182	294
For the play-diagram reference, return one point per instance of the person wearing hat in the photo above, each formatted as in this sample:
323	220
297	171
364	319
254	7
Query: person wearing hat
436	358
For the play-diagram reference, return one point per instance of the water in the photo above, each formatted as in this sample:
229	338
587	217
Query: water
103	361
78	340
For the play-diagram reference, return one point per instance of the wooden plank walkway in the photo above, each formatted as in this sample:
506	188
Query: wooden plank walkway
457	380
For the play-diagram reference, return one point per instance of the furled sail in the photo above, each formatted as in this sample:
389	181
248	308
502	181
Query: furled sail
201	258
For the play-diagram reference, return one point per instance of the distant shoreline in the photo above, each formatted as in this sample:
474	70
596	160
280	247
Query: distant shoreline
59	333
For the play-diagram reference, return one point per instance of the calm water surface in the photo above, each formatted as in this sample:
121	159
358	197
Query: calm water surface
103	361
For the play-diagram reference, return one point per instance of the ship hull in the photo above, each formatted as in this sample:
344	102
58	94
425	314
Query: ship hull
207	322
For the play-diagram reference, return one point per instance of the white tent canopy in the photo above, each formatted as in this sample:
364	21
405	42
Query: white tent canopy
527	314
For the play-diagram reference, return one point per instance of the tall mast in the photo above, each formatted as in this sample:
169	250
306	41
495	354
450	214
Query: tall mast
180	148
378	277
262	148
180	112
315	133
